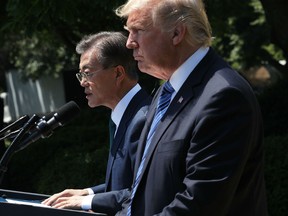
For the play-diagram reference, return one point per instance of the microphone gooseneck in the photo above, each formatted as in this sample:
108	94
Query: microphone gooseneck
36	128
44	128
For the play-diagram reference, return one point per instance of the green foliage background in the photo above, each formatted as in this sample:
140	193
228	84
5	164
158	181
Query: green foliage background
39	37
276	173
275	116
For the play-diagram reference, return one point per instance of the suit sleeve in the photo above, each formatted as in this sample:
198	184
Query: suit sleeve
98	188
217	153
109	202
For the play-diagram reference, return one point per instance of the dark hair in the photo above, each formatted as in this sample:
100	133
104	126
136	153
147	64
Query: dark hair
111	51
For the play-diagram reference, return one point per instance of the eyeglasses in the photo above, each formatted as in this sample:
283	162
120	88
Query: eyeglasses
86	76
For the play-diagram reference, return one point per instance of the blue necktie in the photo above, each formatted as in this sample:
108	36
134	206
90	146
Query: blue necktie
163	102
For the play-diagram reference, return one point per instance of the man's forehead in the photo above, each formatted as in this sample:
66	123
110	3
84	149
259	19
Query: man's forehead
139	18
88	60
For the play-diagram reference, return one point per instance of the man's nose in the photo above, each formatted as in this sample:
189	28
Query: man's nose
131	43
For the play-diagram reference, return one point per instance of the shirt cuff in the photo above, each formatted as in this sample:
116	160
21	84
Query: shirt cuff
87	202
90	191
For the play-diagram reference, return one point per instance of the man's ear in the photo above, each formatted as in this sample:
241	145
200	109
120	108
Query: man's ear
119	73
179	33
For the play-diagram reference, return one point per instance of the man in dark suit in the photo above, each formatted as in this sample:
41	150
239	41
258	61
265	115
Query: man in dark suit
108	73
200	152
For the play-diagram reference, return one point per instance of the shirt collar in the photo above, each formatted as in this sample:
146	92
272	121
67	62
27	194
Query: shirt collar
117	113
180	75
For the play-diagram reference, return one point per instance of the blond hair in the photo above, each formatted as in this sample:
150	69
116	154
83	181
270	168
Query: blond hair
168	13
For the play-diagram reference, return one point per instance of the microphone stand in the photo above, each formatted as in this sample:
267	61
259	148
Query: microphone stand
10	135
14	146
18	123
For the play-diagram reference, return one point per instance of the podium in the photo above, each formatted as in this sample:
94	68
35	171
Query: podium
16	203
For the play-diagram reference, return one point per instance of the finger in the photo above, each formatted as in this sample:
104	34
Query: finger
51	199
69	202
60	205
66	204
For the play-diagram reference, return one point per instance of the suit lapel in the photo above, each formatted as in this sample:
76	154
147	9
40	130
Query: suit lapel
178	103
121	131
143	136
114	148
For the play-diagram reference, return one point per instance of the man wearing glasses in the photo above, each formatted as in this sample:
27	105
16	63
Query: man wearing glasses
109	76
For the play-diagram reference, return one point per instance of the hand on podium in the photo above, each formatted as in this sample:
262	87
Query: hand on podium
67	199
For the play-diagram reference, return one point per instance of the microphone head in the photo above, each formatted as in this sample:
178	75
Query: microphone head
67	112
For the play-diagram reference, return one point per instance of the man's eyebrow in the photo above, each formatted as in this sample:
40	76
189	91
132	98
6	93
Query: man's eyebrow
84	67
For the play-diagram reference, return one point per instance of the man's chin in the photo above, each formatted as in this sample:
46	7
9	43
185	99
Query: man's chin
143	67
91	104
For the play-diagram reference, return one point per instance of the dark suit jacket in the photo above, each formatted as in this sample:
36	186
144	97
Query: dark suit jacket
206	155
120	167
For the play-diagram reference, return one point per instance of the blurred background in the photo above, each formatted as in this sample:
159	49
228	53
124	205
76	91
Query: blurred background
38	63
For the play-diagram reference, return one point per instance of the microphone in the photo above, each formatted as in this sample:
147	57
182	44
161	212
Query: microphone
46	125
